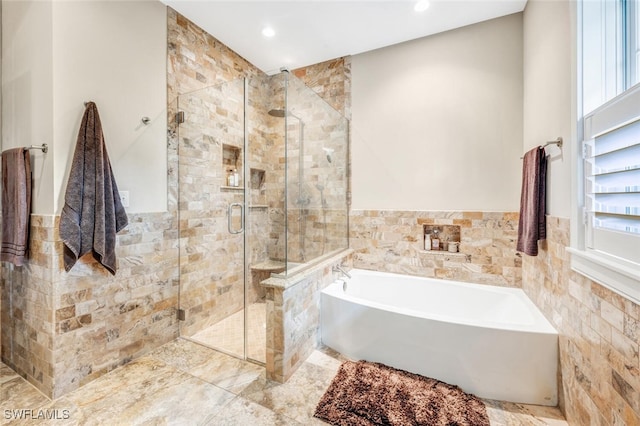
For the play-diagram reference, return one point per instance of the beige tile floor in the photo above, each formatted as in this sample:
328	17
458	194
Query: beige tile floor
227	335
184	383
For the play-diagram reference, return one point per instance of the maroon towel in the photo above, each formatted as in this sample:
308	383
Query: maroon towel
16	204
92	212
532	225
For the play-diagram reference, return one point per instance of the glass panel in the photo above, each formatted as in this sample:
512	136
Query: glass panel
602	52
211	196
262	189
265	236
317	161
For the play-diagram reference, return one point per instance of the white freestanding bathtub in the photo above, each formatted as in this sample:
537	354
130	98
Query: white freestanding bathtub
490	341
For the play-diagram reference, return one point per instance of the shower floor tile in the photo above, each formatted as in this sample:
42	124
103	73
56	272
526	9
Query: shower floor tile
231	374
227	335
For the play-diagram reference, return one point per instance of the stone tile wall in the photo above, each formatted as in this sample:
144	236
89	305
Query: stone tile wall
211	267
197	60
599	335
321	198
211	258
61	330
391	241
293	316
331	80
27	309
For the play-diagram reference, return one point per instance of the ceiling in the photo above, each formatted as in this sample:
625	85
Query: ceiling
312	31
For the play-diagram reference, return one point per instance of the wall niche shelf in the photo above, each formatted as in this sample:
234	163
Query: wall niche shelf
446	234
257	178
232	162
232	188
443	253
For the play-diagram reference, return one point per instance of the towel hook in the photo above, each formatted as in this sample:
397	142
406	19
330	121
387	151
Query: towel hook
145	120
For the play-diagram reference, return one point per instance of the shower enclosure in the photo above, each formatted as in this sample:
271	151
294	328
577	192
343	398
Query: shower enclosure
262	188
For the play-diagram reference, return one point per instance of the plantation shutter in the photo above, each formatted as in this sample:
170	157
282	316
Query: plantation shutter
612	172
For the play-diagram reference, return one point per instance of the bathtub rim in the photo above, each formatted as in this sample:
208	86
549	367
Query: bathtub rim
541	324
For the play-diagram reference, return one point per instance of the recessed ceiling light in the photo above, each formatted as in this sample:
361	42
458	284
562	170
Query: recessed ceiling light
268	32
421	6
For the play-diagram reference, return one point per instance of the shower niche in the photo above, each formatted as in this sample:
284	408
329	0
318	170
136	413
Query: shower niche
446	234
257	190
287	210
231	166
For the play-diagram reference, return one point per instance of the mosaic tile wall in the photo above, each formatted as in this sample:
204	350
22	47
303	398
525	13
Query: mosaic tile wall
599	335
391	241
62	330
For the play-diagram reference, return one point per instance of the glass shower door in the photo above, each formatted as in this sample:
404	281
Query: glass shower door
211	180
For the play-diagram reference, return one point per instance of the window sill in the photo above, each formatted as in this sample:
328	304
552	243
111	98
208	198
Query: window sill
613	273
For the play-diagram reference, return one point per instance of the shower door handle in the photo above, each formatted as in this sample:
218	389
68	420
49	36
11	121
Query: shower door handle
230	220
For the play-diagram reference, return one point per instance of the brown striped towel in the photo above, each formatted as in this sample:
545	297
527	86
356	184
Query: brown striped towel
16	205
532	223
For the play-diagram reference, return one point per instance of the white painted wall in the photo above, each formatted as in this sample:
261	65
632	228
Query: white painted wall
548	91
27	98
60	54
437	122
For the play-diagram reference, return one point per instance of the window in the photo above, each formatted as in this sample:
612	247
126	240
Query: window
633	26
612	177
610	40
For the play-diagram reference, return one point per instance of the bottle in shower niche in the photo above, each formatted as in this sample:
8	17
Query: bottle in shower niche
229	177
427	241
435	241
236	178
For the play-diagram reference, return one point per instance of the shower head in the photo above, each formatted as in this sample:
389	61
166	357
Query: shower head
281	112
319	187
328	152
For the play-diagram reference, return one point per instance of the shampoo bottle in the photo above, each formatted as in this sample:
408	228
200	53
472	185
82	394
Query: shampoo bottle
427	241
435	241
236	178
